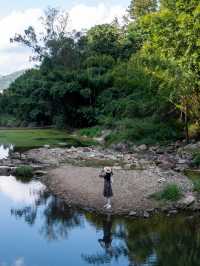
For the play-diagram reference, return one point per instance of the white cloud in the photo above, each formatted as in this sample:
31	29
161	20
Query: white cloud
13	57
19	192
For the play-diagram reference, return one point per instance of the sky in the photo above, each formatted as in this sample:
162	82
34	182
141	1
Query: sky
17	15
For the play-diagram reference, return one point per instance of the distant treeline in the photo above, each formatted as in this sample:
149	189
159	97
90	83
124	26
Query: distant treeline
140	79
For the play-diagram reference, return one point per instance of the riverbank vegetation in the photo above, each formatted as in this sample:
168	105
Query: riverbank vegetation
139	78
170	192
34	138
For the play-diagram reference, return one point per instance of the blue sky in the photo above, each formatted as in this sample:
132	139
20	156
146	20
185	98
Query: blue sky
17	15
8	6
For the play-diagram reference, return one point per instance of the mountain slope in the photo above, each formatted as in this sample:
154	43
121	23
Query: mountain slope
5	81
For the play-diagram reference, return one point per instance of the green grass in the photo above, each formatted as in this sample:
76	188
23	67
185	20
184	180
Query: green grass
90	132
170	192
33	138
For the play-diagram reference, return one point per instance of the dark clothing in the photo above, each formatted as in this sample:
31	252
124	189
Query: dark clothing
107	185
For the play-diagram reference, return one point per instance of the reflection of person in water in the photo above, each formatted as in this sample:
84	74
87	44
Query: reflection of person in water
106	241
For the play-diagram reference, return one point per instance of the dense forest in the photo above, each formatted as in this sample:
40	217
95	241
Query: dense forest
139	78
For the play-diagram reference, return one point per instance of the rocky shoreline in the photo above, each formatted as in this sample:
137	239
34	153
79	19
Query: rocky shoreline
72	173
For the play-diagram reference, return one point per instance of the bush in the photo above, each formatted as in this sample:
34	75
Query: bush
24	171
170	192
196	184
142	131
196	160
9	121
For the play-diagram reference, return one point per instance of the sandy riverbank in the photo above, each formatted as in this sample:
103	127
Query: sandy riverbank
132	188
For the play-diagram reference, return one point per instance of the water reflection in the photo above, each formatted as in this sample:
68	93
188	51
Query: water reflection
19	192
5	150
60	235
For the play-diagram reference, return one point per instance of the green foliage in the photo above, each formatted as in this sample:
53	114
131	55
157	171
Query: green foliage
9	121
59	121
140	8
196	159
24	171
171	192
140	79
140	131
196	186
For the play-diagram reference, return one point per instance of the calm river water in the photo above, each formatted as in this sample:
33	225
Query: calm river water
38	229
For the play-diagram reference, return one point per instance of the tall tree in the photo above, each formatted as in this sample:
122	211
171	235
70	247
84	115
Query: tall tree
140	8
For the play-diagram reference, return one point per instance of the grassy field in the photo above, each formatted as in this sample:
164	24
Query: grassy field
33	138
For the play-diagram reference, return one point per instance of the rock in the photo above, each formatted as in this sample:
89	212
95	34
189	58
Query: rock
182	161
133	213
40	173
142	147
128	158
86	149
146	214
188	200
166	162
161	180
62	144
47	146
172	212
6	170
150	210
121	147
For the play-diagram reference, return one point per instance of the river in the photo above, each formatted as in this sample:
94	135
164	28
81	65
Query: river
38	229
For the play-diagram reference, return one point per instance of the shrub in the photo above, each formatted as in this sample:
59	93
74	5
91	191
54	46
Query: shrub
196	160
24	171
196	184
170	192
142	131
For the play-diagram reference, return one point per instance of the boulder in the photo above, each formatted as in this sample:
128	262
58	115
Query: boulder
47	146
121	147
161	180
142	147
146	214
166	162
133	213
188	200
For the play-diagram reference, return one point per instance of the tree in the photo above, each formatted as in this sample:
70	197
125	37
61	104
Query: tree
173	36
140	8
104	39
55	24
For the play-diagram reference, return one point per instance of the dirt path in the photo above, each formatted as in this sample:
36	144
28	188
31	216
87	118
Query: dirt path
81	186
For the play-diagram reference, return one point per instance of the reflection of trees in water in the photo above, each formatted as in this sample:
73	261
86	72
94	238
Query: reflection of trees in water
159	241
7	149
110	251
58	218
29	213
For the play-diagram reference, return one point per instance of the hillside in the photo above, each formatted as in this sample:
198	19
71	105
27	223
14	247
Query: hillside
5	81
